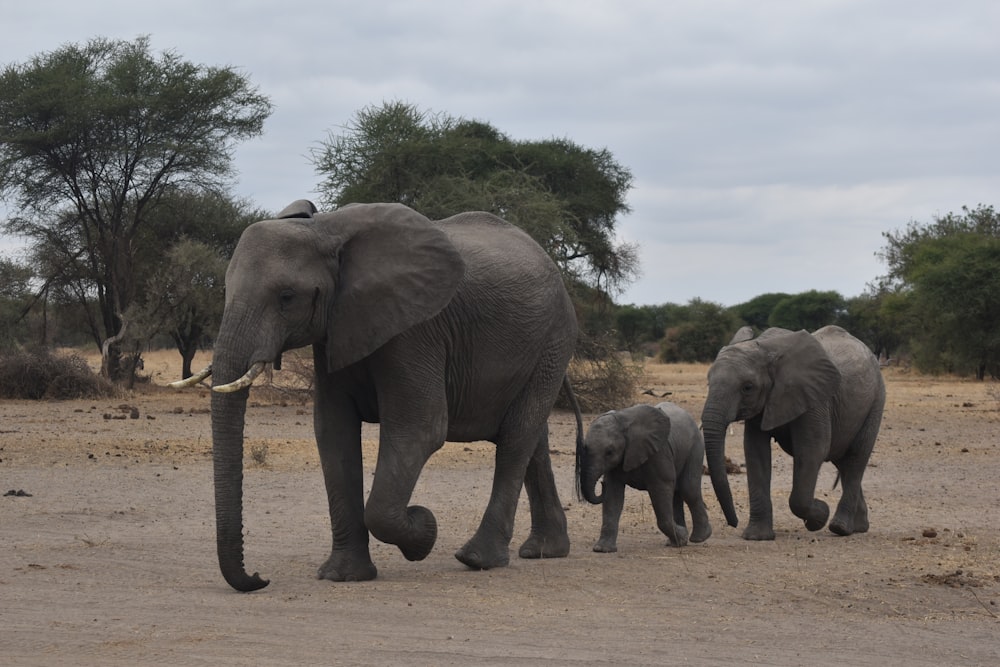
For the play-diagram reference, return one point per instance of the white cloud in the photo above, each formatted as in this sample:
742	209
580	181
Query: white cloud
799	130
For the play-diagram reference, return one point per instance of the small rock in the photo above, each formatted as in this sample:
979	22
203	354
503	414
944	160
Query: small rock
929	533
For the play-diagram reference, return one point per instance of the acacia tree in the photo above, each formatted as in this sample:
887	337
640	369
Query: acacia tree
91	138
184	286
566	196
14	295
949	272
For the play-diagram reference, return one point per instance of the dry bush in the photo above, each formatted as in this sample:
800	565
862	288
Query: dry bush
43	374
602	384
293	382
602	378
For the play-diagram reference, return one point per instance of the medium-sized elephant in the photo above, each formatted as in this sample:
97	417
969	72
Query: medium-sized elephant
655	449
819	396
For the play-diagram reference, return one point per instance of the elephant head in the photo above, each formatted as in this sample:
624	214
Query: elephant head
775	378
348	281
620	439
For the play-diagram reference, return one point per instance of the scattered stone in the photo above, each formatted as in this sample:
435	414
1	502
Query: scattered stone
19	493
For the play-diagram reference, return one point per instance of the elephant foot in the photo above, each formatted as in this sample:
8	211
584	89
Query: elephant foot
342	566
680	537
839	527
844	526
605	546
424	527
758	532
700	533
539	546
848	521
479	557
818	516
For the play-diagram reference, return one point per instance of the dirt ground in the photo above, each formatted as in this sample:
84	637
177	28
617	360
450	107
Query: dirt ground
107	553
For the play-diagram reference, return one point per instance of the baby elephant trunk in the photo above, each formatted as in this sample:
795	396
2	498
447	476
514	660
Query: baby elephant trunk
589	472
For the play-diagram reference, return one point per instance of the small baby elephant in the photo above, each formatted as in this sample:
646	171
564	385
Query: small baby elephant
656	449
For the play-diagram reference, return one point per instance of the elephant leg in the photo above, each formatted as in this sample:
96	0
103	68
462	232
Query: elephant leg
413	418
689	490
401	458
661	493
811	445
549	537
852	511
802	500
611	513
757	450
489	546
338	438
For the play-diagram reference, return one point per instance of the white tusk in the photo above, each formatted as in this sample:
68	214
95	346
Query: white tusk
193	380
244	381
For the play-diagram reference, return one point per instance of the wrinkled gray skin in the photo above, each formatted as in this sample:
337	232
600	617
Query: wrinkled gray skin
820	397
655	449
458	329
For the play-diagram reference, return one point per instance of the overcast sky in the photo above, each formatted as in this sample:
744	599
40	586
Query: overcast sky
772	142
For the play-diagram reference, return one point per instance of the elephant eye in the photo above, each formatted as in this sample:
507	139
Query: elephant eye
747	388
286	296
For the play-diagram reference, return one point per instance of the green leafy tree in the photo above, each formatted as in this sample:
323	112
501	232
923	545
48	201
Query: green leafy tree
950	272
632	323
707	328
566	196
757	311
642	326
184	294
877	318
91	139
810	310
187	296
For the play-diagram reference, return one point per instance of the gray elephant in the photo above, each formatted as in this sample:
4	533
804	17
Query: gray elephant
820	397
655	449
457	330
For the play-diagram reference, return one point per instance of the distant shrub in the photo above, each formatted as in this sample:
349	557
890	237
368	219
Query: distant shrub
42	374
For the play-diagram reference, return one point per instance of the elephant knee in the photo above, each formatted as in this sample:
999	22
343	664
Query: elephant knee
812	511
382	525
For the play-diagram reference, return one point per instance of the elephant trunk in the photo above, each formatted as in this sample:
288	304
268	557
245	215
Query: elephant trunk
714	428
228	414
588	474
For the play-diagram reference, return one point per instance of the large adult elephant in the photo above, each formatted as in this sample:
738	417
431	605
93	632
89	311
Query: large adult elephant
458	330
820	396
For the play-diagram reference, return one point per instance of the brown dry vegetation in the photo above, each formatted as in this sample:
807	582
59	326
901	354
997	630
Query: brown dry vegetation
108	555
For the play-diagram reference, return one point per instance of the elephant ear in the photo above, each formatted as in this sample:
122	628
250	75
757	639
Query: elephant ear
300	208
743	335
646	434
394	269
804	376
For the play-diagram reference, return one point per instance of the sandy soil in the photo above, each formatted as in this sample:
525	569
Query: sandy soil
108	555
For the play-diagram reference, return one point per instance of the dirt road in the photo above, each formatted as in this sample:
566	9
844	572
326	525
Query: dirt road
108	555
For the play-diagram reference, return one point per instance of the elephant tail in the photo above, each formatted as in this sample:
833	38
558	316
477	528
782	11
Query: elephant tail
568	388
